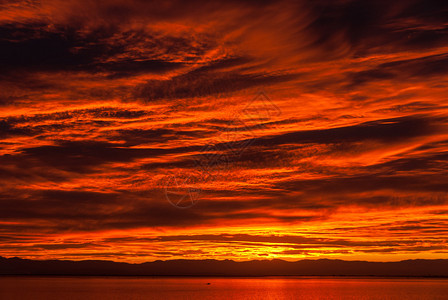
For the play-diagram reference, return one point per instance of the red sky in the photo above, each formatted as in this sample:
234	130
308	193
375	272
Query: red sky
300	129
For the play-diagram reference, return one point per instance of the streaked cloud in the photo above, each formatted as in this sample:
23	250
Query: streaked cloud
100	103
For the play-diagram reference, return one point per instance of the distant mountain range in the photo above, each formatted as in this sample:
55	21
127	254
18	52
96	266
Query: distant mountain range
276	267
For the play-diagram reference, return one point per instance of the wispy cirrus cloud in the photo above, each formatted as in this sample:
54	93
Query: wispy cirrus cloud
100	102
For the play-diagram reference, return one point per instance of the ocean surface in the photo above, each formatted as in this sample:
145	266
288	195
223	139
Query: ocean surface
126	288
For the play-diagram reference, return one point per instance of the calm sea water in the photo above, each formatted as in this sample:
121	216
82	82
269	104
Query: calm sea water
126	288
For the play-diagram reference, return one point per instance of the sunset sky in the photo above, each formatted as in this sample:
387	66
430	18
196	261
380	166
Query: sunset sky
293	129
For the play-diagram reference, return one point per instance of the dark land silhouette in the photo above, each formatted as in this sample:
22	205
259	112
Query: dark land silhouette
276	267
